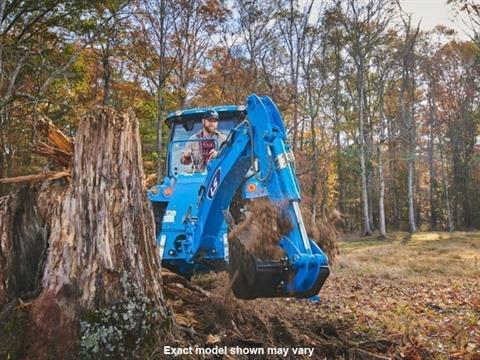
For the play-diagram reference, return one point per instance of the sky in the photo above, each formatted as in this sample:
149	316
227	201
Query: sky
434	12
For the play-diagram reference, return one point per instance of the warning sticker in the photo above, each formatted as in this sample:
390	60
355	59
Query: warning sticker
169	216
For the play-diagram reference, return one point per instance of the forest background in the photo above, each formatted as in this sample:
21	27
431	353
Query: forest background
384	118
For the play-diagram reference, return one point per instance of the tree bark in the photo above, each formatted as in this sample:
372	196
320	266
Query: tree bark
106	73
381	177
411	209
445	186
74	248
431	163
162	77
408	116
411	163
2	74
360	83
381	197
336	124
160	114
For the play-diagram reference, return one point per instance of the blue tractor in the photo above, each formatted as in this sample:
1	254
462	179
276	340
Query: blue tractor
192	208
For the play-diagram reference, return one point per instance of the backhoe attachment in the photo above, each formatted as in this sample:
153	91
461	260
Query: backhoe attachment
257	150
251	278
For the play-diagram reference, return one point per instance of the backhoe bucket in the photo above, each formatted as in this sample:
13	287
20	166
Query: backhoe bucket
251	278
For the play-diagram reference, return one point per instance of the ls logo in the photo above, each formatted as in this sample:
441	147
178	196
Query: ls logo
212	189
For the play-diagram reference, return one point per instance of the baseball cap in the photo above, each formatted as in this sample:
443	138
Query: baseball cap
210	114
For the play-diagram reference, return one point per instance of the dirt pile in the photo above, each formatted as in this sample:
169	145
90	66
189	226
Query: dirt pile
323	232
214	318
264	226
266	223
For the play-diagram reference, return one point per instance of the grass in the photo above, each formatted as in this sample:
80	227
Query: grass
422	255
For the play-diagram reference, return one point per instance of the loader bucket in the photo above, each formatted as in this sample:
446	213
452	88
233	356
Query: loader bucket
251	278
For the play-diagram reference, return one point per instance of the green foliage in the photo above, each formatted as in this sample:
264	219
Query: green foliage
147	115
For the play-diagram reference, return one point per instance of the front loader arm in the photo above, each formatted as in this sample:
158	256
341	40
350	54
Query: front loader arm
259	143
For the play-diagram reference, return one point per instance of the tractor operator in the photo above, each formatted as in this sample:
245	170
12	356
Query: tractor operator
204	147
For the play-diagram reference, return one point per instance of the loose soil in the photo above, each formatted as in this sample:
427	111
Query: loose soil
264	226
396	312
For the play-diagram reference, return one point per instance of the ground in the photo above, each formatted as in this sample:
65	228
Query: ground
413	297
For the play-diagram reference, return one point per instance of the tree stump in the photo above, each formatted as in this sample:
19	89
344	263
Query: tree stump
78	256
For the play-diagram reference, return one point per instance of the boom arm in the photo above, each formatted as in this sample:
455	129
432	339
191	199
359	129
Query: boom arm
259	142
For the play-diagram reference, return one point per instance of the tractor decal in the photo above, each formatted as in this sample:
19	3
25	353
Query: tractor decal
212	189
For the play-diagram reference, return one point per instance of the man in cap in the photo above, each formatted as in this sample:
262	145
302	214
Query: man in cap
205	143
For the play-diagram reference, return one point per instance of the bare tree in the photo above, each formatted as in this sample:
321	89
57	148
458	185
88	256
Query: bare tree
253	24
292	24
450	225
407	120
334	47
314	78
472	9
192	37
109	33
154	56
364	25
431	80
384	66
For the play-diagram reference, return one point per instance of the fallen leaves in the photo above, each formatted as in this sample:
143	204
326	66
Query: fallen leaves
359	316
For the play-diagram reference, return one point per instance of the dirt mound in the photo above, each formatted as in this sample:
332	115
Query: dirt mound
215	318
265	224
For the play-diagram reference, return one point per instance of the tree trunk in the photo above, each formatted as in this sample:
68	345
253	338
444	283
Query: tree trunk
409	135
336	125
2	75
314	188
445	186
366	221
161	90
83	252
106	73
411	209
381	197
411	158
381	143
160	113
431	163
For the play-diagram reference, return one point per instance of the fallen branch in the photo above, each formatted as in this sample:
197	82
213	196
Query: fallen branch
52	175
